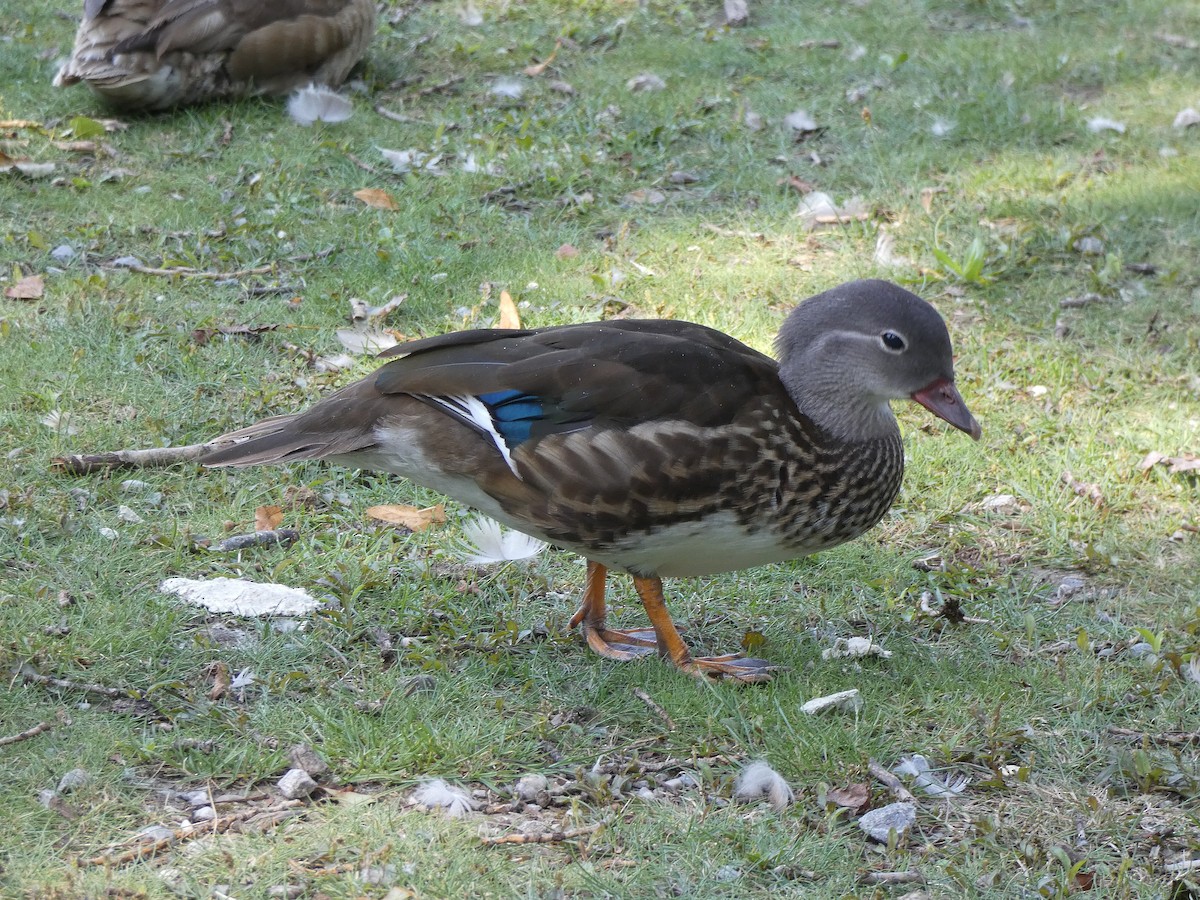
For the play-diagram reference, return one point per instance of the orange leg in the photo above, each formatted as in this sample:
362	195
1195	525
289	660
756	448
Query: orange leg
610	643
733	666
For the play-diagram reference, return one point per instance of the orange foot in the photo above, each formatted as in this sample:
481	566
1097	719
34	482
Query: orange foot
663	638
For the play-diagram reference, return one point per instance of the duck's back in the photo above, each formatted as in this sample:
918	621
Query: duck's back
151	55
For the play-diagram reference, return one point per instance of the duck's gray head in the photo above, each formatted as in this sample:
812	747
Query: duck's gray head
846	353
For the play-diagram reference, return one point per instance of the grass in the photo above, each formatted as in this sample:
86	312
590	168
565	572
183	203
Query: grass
1024	703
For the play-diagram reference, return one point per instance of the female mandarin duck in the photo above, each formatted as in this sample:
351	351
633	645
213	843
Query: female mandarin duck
659	448
156	54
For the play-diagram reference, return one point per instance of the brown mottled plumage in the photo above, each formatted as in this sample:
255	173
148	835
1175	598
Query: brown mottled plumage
659	448
157	54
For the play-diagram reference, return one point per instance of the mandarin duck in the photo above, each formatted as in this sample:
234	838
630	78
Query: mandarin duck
156	54
654	447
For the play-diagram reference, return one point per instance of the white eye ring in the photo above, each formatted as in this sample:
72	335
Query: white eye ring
893	342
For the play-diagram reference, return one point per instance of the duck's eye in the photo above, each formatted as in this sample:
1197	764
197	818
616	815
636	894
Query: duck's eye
892	341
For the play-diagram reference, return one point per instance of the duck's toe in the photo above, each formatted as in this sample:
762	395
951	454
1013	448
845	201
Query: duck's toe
621	645
733	667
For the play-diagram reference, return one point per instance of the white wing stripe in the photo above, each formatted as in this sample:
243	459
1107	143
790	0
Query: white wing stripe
475	412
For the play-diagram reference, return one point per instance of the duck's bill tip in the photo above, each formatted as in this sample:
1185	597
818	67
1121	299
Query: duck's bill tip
942	399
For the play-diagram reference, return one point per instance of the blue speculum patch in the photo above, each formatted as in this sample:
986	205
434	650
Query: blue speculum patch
514	414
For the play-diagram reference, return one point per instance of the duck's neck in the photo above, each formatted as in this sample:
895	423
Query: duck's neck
845	415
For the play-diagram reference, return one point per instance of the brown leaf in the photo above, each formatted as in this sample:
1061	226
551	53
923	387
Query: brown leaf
538	68
1187	462
645	195
31	287
221	680
798	184
854	796
1152	459
509	317
267	518
566	251
408	516
376	198
927	195
1084	489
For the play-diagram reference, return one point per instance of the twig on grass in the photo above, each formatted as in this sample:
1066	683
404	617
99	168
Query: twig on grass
189	272
272	816
910	877
662	713
1175	738
366	166
155	457
28	675
891	782
548	837
256	539
26	734
437	88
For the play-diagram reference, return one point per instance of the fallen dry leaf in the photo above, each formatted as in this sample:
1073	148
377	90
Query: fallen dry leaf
376	198
927	195
855	797
509	317
538	68
267	518
365	340
566	251
644	195
221	681
1187	462
31	287
409	517
798	184
1085	489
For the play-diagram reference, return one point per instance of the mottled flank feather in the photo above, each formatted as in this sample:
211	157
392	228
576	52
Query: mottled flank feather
157	54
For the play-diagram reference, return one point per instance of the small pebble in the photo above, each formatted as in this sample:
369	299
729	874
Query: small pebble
203	814
296	784
384	874
194	798
1069	586
1089	246
46	797
878	823
306	758
63	252
286	891
529	786
125	514
74	780
680	783
1140	649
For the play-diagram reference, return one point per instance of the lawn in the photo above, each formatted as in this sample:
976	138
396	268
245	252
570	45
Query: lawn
165	279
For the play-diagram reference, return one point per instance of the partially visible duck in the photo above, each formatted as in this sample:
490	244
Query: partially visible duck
655	447
156	54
